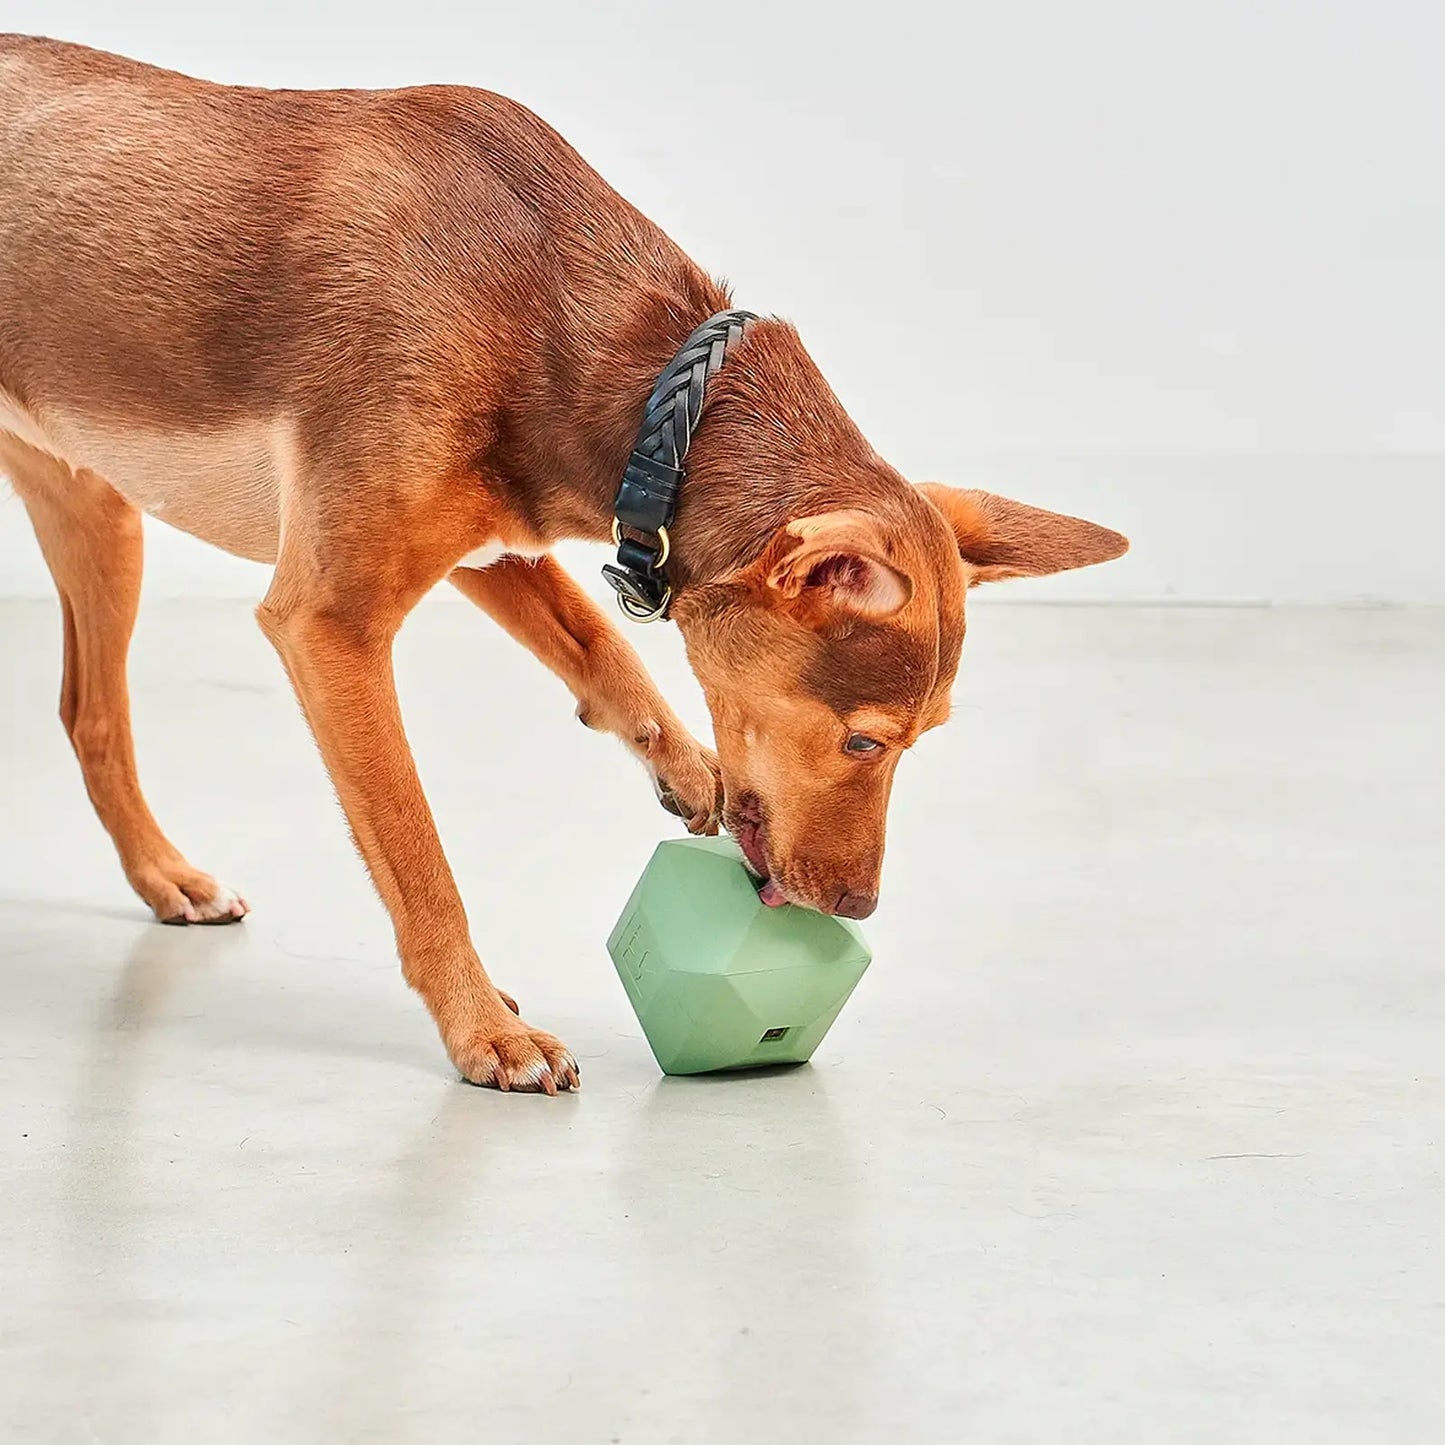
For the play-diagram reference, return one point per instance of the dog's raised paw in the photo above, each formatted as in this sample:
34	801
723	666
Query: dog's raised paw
518	1059
688	784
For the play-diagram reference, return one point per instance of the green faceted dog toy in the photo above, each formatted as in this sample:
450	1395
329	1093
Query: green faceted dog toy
717	979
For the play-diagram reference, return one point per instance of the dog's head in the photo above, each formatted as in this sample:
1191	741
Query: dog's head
825	659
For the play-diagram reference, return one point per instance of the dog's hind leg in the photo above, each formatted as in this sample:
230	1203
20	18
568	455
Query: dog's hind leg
548	613
91	538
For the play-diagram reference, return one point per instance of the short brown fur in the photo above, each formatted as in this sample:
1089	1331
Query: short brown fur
363	336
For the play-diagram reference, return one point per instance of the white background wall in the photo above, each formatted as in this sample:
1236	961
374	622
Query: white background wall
1177	265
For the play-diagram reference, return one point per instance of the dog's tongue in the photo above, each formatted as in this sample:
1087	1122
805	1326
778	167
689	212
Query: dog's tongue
771	894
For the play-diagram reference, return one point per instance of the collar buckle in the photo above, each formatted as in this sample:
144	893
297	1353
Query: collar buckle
643	594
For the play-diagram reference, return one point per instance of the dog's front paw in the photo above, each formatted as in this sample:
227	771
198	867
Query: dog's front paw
688	784
513	1057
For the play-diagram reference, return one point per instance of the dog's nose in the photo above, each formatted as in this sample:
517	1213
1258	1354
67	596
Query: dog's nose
856	905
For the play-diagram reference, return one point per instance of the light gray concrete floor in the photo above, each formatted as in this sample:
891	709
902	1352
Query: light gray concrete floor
1132	1132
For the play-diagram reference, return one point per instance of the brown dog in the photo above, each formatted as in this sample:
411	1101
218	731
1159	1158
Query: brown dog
379	339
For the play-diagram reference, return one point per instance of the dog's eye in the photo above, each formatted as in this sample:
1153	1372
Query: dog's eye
857	743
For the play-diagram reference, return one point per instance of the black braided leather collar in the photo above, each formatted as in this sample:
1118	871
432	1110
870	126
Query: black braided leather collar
647	499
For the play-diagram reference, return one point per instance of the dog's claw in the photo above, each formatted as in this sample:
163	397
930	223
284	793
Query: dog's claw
703	825
669	800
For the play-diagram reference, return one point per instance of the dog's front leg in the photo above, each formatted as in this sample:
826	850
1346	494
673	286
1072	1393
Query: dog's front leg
334	633
548	613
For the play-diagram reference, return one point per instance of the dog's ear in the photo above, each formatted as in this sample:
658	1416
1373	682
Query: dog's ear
998	538
836	560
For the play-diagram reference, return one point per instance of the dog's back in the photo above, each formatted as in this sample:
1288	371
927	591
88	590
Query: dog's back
150	221
179	243
141	217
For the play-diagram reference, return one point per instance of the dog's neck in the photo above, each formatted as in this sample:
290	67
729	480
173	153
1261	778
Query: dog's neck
774	442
